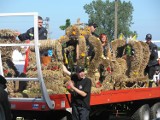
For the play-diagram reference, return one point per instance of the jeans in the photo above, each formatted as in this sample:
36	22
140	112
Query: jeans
80	113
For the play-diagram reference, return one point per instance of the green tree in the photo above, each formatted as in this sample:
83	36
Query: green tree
68	23
103	13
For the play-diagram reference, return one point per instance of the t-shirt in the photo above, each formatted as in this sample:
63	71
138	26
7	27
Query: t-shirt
84	85
153	54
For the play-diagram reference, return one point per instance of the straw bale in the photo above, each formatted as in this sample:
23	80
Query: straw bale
95	90
118	47
7	34
93	65
145	57
82	51
136	61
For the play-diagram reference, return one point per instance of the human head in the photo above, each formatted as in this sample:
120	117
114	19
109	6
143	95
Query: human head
92	26
80	71
40	21
148	38
103	38
3	81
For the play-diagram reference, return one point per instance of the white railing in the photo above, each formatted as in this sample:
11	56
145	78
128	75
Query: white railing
45	96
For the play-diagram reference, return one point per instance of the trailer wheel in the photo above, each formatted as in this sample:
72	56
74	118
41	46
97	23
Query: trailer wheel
2	114
155	111
143	113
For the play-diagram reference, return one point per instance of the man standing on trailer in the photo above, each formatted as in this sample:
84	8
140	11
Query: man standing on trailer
93	27
29	34
80	94
153	60
90	48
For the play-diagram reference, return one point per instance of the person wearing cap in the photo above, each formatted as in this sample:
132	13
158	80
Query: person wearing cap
80	94
153	60
90	47
29	34
93	27
4	102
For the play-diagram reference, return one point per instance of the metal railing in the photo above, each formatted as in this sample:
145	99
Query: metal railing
45	96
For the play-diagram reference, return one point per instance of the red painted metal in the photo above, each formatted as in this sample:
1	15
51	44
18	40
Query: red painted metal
35	106
116	96
105	97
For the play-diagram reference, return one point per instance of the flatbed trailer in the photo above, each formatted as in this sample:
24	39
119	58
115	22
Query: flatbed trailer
62	101
117	102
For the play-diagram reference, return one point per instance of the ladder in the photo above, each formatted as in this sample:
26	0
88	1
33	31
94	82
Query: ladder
45	97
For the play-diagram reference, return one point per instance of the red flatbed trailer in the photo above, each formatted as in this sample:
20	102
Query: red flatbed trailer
135	98
105	97
117	96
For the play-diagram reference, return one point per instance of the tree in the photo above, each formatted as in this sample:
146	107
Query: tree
68	23
103	13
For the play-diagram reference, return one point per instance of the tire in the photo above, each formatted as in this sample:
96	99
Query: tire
2	113
155	111
143	113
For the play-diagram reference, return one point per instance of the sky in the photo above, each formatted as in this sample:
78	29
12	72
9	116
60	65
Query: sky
146	15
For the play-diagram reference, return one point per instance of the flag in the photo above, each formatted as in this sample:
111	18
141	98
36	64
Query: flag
134	37
121	37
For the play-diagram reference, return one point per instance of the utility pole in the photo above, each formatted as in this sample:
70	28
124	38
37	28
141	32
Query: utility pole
47	26
116	20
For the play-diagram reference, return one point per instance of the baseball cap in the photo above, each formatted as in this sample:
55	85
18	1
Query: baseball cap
79	69
93	24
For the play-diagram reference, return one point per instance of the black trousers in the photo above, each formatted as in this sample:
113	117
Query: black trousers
80	113
150	70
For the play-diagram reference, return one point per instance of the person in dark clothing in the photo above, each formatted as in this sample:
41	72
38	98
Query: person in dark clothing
90	47
80	94
93	27
4	102
29	35
153	60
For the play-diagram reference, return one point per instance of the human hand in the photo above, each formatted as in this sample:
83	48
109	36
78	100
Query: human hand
159	61
70	84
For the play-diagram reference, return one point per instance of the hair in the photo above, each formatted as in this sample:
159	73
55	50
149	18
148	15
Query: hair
93	24
102	35
40	18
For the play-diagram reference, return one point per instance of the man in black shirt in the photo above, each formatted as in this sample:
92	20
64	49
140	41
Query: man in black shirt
29	35
153	60
80	95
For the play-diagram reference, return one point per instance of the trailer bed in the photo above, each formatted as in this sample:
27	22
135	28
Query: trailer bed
62	101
